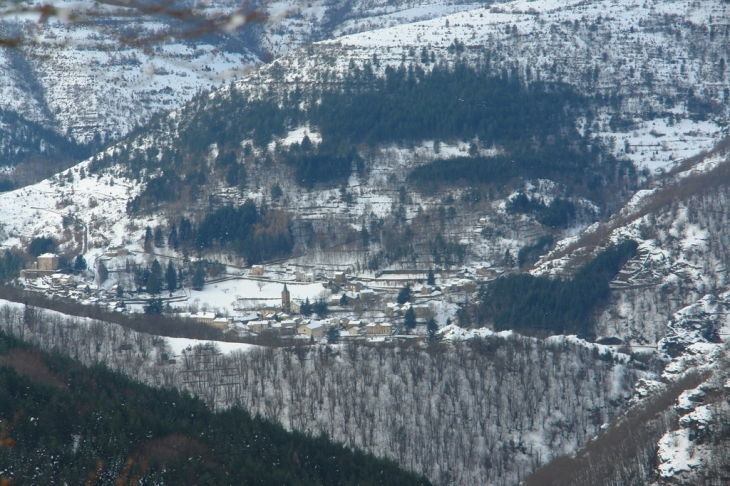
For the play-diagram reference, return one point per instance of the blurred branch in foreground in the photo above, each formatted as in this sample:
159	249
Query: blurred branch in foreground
185	22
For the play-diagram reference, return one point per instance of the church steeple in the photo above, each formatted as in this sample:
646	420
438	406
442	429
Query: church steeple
285	300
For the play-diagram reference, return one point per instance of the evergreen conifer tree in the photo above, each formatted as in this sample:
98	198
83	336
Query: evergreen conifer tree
409	319
431	278
148	239
103	273
432	327
172	239
333	335
159	242
154	306
79	264
306	308
199	278
171	277
404	295
365	237
320	308
154	281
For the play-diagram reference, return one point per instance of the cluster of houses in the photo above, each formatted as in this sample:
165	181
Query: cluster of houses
46	266
360	303
44	276
285	322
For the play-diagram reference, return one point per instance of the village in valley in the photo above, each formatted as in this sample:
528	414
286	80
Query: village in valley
283	300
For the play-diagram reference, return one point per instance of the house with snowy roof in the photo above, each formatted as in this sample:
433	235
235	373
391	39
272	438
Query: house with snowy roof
48	262
313	329
46	266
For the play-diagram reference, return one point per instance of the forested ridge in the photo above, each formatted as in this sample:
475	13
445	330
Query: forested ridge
66	423
458	102
532	127
404	104
486	410
222	149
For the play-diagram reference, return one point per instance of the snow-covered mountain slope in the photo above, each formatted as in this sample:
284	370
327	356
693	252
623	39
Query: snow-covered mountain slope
639	61
39	209
655	53
655	72
682	229
653	63
642	105
671	300
669	309
696	451
296	23
78	80
674	432
649	54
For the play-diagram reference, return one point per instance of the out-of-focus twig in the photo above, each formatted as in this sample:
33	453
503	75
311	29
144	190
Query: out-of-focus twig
184	23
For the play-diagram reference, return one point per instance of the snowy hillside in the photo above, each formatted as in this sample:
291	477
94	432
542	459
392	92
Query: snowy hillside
696	452
643	58
295	23
680	225
671	300
642	112
649	54
647	93
79	81
39	209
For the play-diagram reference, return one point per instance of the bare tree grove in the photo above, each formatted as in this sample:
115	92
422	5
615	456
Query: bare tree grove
482	411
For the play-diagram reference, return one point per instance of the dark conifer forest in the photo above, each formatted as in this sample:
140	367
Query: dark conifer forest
251	234
531	127
531	304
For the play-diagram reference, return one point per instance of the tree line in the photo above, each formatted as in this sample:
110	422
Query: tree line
461	102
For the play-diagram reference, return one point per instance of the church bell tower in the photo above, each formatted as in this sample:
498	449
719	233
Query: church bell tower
285	300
